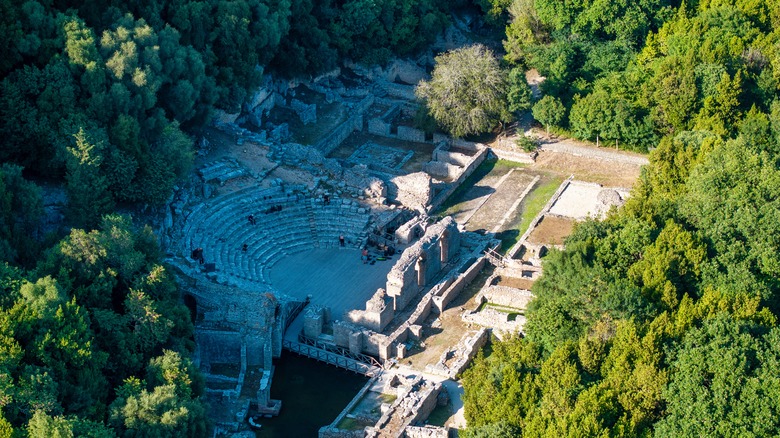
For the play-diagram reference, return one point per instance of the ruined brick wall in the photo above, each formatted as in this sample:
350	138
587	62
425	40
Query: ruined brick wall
411	134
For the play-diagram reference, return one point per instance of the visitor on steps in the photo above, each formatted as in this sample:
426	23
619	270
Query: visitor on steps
244	247
341	241
197	254
251	219
326	199
364	255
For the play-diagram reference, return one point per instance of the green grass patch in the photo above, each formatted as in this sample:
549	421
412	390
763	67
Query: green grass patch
449	206
387	398
505	309
533	203
439	416
347	423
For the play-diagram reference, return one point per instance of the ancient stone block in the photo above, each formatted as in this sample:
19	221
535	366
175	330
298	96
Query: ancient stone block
312	326
378	127
411	134
414	190
355	342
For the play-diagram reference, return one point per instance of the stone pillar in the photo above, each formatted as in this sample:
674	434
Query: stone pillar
444	243
356	342
421	268
264	390
312	325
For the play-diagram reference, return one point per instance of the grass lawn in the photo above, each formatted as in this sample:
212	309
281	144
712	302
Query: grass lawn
531	206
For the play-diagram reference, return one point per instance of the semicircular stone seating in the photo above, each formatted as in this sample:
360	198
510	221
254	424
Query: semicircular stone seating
285	223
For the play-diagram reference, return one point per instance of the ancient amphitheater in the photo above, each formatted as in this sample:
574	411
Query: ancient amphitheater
256	238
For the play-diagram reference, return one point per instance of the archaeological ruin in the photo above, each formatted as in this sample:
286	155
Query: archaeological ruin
309	226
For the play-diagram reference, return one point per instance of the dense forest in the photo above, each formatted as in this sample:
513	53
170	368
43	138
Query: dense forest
662	319
104	98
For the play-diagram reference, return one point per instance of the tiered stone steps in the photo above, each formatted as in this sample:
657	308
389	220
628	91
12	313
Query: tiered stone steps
221	227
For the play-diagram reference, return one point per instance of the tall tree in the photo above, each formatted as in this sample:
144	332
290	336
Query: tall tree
88	196
467	91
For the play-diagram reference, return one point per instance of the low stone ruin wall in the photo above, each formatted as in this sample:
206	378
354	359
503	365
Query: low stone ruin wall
521	242
426	432
452	157
353	123
476	160
446	296
442	170
338	135
516	156
407	133
416	404
505	296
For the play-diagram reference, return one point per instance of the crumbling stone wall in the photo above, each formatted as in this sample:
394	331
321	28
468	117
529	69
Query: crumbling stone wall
306	112
426	432
421	262
410	230
411	134
342	331
378	126
313	322
218	346
338	135
454	158
379	312
413	191
507	296
442	170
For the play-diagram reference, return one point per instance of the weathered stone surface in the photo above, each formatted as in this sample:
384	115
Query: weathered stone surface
413	191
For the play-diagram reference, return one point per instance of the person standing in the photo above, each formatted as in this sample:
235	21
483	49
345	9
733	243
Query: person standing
364	255
342	242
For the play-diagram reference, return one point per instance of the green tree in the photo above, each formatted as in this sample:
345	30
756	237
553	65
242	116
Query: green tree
88	196
163	407
549	111
724	382
519	94
467	91
21	208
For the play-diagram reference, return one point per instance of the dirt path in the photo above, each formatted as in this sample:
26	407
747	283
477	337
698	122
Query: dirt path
581	149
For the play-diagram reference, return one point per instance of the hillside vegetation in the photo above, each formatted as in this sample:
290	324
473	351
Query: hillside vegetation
662	319
104	98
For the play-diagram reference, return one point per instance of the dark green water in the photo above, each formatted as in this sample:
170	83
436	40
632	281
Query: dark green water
312	395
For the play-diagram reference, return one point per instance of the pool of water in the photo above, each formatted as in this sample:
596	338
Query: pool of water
312	395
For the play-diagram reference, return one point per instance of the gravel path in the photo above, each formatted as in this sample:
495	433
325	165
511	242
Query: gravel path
573	147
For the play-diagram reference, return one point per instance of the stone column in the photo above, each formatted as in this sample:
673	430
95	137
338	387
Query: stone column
444	243
421	268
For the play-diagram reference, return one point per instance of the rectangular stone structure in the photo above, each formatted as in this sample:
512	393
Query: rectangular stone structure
411	134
